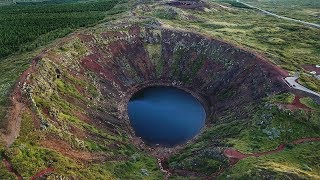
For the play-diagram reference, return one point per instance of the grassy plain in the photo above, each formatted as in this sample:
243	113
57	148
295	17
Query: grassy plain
307	10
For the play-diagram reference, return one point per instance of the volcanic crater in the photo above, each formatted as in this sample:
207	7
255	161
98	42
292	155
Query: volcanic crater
79	89
106	67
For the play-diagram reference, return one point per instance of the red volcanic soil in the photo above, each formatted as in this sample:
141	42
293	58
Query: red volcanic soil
234	155
296	104
310	68
17	105
41	173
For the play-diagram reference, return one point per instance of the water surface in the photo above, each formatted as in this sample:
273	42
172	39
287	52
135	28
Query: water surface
165	115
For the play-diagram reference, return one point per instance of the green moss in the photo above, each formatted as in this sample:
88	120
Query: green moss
92	90
96	171
202	162
226	94
139	166
212	26
28	159
263	131
74	47
68	89
94	146
61	103
154	51
310	103
272	127
237	4
179	59
83	125
54	101
197	65
28	132
4	173
11	68
310	82
276	41
166	13
285	98
223	130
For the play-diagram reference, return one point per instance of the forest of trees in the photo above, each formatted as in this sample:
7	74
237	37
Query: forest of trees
24	27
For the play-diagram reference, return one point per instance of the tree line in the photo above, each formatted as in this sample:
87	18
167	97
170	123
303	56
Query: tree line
21	25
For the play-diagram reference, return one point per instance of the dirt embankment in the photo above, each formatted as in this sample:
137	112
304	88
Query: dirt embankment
295	105
18	103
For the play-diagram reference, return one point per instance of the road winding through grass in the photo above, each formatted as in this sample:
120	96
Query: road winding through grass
293	84
279	16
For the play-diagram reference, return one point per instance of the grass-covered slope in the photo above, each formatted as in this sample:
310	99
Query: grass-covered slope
288	44
26	28
296	162
264	129
64	129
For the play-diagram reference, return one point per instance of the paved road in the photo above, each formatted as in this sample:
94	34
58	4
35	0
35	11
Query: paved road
292	82
282	17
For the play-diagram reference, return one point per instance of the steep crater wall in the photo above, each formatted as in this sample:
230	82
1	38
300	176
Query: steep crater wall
91	76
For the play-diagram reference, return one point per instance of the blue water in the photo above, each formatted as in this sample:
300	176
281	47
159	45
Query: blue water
165	115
